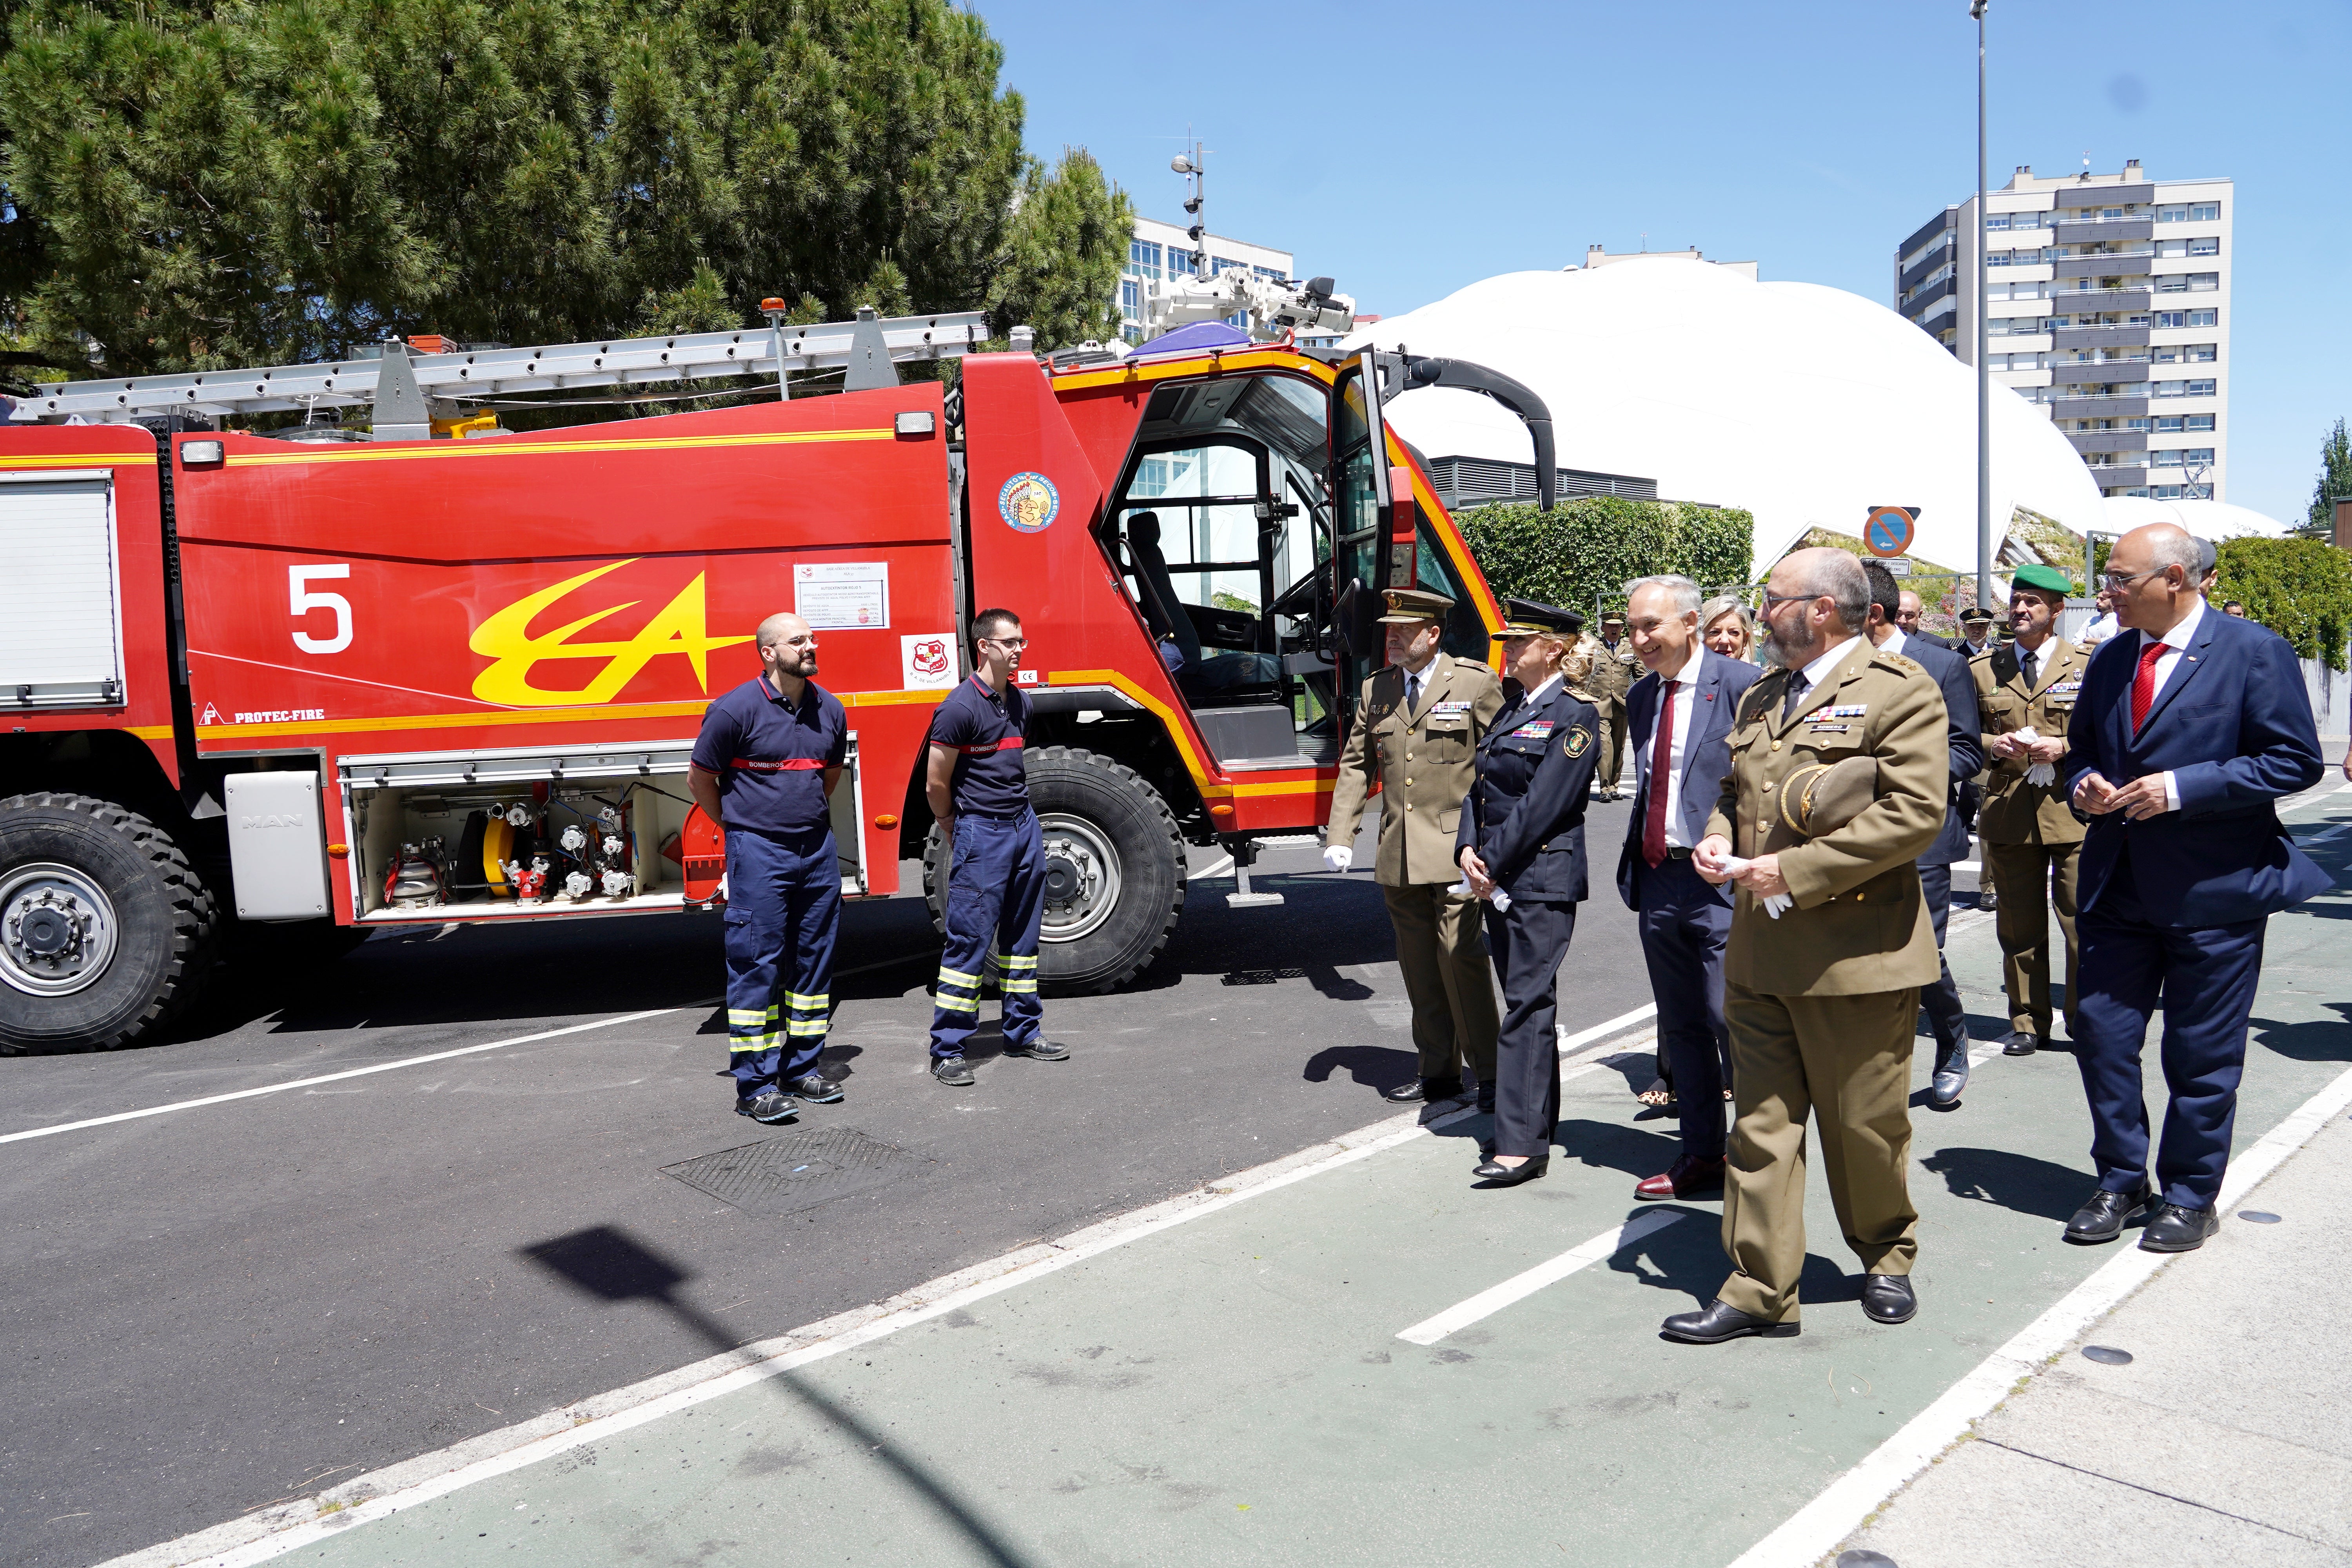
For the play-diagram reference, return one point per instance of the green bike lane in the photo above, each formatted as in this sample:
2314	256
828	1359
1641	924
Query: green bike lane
1232	1388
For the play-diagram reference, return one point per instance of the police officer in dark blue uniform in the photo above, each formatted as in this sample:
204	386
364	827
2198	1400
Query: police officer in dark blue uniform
979	791
1522	834
764	767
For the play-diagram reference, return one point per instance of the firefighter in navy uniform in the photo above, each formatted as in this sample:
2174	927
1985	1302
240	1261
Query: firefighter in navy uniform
979	791
764	768
1522	832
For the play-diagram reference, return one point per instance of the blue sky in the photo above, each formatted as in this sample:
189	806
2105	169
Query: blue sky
1409	149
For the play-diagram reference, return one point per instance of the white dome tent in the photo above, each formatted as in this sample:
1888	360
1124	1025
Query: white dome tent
2212	520
1805	404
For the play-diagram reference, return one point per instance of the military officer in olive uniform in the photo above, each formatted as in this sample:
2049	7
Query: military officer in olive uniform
1822	987
1417	723
2029	832
1609	678
1522	832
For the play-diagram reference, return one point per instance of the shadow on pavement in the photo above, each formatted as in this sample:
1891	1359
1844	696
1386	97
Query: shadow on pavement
2011	1181
1373	1067
607	1263
1603	1146
2320	1040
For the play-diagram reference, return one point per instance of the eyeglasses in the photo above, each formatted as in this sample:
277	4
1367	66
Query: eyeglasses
1008	642
2118	582
1771	599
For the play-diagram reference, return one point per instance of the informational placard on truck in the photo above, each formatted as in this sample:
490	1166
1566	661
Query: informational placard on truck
842	596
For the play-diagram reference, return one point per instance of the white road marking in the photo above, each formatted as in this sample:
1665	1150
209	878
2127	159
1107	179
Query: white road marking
268	1533
1518	1287
1815	1530
1623	1021
1223	865
332	1077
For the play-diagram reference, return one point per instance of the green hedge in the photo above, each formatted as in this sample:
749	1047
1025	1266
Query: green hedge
2300	588
1588	548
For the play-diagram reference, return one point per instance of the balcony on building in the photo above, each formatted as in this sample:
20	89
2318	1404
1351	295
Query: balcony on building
2099	373
2132	262
2112	336
2130	297
2104	230
2117	476
2099	406
2133	441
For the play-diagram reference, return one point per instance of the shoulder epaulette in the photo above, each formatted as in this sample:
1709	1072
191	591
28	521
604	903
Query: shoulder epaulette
1584	697
1898	662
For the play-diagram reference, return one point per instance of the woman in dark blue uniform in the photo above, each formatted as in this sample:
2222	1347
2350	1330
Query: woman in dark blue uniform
1522	831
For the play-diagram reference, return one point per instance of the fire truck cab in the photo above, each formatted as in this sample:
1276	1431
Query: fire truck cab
331	680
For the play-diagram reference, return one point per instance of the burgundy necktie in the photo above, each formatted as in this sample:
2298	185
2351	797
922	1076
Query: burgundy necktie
2144	684
1653	825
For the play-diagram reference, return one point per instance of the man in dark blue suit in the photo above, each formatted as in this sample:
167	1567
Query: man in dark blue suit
1946	1018
1679	767
2190	724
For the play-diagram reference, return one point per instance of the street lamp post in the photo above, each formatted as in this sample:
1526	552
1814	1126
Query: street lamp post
1984	371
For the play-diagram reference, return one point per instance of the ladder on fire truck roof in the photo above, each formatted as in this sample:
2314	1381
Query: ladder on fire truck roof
402	385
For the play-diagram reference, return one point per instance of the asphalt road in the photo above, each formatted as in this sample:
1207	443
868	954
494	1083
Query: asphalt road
233	1304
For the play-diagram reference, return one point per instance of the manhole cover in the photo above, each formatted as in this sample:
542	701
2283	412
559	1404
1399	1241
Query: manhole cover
797	1171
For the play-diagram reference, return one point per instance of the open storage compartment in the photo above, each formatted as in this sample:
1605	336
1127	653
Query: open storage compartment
522	835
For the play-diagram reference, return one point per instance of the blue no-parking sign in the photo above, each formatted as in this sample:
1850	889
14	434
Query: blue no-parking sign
1887	530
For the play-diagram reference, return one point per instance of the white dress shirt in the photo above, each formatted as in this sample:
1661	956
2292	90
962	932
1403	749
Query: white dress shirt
1684	685
1532	697
1895	641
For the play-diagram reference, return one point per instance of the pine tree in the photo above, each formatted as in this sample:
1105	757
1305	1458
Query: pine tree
197	184
2335	484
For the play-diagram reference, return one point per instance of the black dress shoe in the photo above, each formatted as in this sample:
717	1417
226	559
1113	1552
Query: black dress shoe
2021	1043
2178	1229
2105	1217
1040	1049
1951	1076
1888	1299
1485	1099
770	1107
953	1071
1718	1324
1420	1089
1495	1174
816	1088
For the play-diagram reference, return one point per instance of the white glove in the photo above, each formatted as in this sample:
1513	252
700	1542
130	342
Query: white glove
1339	857
2038	772
1773	905
1499	898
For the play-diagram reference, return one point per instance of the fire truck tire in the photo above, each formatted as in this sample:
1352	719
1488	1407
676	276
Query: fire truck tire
99	884
1114	867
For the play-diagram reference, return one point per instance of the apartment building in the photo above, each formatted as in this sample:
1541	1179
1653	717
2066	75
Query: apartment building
1158	252
2107	301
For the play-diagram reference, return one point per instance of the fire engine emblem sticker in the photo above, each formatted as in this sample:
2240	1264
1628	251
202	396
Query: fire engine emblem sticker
1029	502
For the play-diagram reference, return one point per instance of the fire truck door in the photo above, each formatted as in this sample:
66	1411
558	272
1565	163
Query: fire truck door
1360	505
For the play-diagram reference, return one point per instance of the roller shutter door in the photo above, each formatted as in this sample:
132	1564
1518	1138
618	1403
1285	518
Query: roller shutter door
60	627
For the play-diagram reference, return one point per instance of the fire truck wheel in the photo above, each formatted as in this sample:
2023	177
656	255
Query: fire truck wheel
105	929
1114	871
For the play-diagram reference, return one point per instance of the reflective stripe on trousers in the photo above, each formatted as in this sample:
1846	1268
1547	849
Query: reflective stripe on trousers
782	920
996	901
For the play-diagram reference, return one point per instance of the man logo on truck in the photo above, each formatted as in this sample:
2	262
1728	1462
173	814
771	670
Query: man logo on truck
506	638
1028	502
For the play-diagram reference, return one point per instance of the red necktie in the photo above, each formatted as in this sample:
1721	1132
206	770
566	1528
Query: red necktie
2144	683
1653	825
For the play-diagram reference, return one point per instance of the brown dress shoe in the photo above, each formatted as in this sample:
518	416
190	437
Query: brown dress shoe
1685	1178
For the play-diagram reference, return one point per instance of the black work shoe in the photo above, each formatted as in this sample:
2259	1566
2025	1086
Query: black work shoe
2105	1217
1951	1076
1888	1298
1040	1049
2178	1229
2022	1043
817	1089
953	1071
1718	1324
1485	1099
1497	1174
770	1107
1420	1089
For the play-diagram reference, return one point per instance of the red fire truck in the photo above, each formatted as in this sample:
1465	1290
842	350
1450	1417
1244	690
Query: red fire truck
434	672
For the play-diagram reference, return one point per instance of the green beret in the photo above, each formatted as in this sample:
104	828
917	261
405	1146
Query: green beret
2047	578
